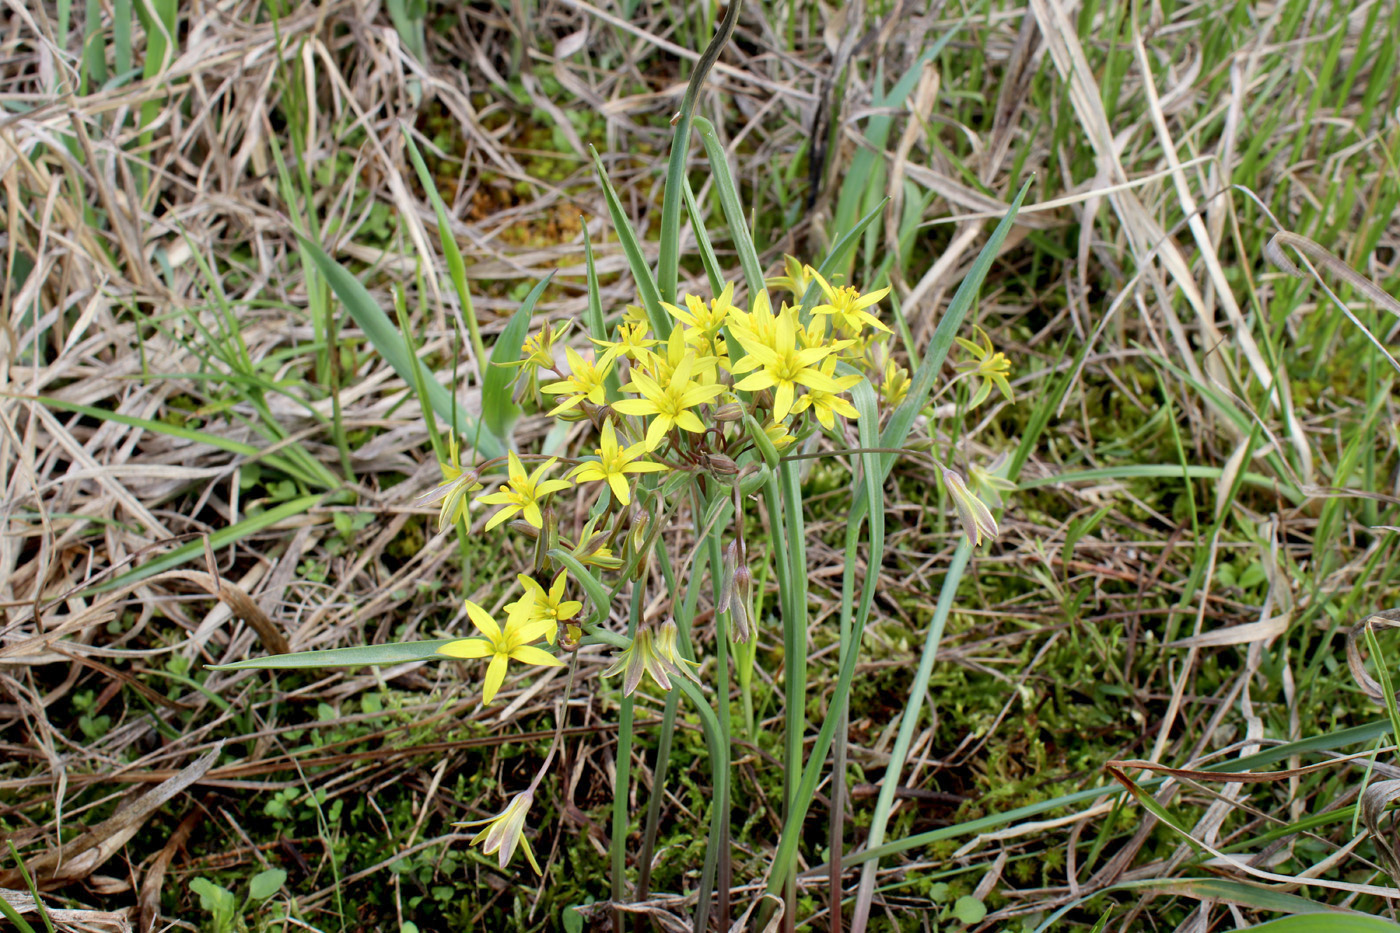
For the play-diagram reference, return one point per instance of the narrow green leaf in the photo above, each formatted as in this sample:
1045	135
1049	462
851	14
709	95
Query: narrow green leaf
189	434
636	260
456	267
597	327
702	239
364	655
389	342
676	180
220	538
733	208
497	409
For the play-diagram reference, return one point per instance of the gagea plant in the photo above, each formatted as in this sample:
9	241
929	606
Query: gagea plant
670	528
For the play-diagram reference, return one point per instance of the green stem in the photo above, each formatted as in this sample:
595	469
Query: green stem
668	725
721	843
622	768
909	720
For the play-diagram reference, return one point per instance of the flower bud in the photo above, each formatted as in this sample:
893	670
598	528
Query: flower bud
525	528
720	465
976	519
729	412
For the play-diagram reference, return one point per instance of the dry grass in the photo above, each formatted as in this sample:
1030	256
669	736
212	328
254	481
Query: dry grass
153	274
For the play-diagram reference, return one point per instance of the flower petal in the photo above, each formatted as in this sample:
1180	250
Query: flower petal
495	676
529	654
467	648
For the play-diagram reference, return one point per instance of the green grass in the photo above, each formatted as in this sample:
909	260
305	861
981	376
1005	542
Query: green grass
173	319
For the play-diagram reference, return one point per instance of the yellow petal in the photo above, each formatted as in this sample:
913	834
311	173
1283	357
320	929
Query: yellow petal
495	676
529	654
467	648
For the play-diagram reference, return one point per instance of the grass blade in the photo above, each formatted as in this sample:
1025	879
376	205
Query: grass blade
220	538
667	265
389	342
497	410
364	655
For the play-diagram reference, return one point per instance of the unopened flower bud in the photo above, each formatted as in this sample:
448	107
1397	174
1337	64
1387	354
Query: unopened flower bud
736	587
720	465
525	528
730	412
977	521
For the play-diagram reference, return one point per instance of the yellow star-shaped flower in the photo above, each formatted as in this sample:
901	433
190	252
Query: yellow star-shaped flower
614	463
584	382
781	365
501	645
523	493
669	404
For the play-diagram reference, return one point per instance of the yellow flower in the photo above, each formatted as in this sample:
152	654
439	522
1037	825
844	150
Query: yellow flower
631	341
703	322
781	365
614	463
777	434
523	493
538	350
669	405
760	324
991	366
503	644
976	519
796	279
505	831
895	384
456	484
828	405
847	306
653	653
550	605
661	368
584	382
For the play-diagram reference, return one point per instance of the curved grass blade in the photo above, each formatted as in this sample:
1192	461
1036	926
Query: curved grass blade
733	208
228	535
667	266
389	342
189	434
365	655
456	267
632	250
497	410
1241	893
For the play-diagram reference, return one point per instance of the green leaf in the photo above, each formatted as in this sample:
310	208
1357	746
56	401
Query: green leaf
1326	923
636	261
497	409
456	268
366	655
218	539
266	883
676	179
12	915
969	909
573	920
217	900
389	342
733	207
189	434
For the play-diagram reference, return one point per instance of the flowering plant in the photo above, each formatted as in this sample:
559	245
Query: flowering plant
693	408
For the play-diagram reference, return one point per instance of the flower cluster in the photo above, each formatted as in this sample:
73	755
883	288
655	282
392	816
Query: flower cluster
701	392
